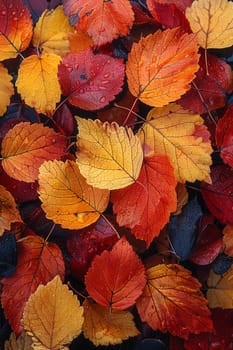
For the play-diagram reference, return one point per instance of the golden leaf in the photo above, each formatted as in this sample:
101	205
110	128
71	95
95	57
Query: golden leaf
180	135
53	316
109	156
6	89
212	21
23	342
37	82
67	199
103	326
220	292
182	197
8	211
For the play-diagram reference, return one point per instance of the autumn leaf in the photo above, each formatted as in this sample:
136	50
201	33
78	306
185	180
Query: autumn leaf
90	81
66	197
220	292
26	146
122	277
180	4
224	136
9	212
51	32
38	263
109	156
180	135
107	327
154	198
212	21
161	66
102	20
172	302
53	316
6	88
182	197
23	342
228	240
15	28
37	82
79	41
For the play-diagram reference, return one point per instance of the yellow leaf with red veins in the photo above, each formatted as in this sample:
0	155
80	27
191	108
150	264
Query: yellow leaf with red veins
8	210
220	292
37	82
6	89
180	135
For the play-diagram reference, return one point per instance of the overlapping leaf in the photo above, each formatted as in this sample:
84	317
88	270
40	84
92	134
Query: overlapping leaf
6	89
37	82
182	136
38	263
224	136
228	240
122	277
23	342
66	197
172	302
15	28
109	156
90	81
53	316
161	66
105	327
9	212
26	146
148	210
220	292
102	20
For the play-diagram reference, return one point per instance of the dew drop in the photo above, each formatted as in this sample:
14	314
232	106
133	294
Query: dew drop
105	82
15	19
102	87
81	91
69	69
106	75
13	13
3	13
102	99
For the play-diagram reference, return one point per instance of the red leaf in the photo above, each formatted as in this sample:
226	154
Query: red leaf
208	92
116	278
218	196
154	198
224	136
141	17
38	263
90	81
180	5
64	120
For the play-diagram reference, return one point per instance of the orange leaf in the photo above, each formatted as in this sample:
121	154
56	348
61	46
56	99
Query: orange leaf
153	199
172	302
15	28
161	66
53	316
79	41
43	69
102	20
67	199
26	146
38	262
8	211
228	240
6	89
220	292
180	135
122	277
109	156
107	327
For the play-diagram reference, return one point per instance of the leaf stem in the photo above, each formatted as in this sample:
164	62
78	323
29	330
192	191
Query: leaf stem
111	225
206	62
50	232
130	111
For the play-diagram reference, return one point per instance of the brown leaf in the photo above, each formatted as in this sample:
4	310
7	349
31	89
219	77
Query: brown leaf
8	210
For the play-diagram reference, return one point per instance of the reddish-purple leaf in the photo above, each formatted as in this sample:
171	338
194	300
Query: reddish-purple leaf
224	136
64	120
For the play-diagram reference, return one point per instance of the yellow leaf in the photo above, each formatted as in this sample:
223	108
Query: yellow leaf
67	199
180	135
220	292
109	156
53	316
6	89
38	83
103	326
23	342
8	211
212	20
51	32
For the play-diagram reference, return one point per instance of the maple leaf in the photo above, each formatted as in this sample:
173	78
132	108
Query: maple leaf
161	66
15	28
6	89
109	156
23	342
51	32
224	136
8	210
228	240
220	292
37	82
102	20
172	302
180	135
26	146
122	277
105	327
212	21
90	81
148	210
38	262
66	197
53	316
